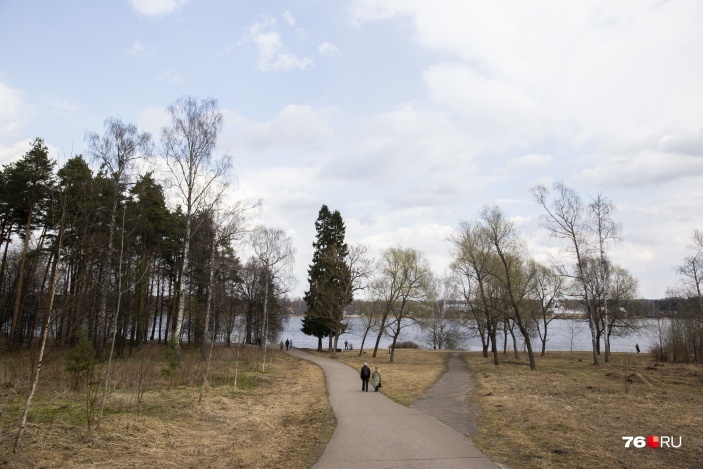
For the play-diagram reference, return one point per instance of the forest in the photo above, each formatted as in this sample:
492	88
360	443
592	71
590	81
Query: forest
100	255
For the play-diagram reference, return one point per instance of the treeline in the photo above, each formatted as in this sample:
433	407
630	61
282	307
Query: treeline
493	286
100	254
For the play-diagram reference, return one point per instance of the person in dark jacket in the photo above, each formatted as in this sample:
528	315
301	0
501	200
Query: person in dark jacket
365	375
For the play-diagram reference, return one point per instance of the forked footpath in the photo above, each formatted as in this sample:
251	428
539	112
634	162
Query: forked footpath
375	432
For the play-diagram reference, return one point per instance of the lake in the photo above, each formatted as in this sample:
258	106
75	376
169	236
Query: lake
563	335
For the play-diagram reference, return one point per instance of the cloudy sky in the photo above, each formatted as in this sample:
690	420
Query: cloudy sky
407	116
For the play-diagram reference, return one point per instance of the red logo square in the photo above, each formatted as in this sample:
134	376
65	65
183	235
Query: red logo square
653	441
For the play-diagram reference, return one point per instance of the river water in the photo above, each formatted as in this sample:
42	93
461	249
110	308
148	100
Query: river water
563	335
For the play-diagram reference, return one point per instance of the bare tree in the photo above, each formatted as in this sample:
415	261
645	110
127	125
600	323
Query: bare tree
369	314
546	289
604	230
274	250
515	273
228	225
188	147
566	218
117	151
441	328
403	275
473	261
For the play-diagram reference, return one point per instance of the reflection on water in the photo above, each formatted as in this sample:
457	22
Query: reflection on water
563	335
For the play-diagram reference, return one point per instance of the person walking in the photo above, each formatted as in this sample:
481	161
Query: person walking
287	343
365	375
282	346
376	378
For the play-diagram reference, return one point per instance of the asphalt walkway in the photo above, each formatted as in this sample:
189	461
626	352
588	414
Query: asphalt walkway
448	400
375	432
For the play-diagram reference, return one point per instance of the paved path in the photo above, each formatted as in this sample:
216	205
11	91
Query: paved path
448	399
375	432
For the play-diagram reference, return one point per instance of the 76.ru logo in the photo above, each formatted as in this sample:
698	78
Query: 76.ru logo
652	441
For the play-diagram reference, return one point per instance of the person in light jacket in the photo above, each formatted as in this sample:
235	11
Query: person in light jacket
376	378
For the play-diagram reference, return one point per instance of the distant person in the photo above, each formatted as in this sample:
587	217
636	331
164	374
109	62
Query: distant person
346	345
287	344
637	347
291	344
282	346
365	375
376	378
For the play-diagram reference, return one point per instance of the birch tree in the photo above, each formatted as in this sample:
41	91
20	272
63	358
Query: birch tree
274	251
188	146
565	218
117	152
605	230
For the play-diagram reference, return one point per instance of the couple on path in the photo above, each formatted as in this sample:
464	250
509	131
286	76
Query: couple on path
366	375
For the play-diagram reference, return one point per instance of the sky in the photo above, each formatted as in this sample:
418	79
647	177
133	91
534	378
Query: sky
407	116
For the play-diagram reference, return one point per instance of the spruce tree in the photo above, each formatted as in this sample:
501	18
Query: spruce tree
328	277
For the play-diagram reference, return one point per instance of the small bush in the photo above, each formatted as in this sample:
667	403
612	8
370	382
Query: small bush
406	344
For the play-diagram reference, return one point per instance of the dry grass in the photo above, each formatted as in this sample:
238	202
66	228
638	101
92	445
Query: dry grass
568	414
277	418
571	414
410	375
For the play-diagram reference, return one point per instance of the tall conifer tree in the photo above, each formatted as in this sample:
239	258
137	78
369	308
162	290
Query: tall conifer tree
328	277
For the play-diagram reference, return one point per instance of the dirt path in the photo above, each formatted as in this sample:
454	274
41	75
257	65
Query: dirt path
447	400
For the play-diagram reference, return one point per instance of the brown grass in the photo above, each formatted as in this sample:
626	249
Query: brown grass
410	375
571	414
567	414
277	418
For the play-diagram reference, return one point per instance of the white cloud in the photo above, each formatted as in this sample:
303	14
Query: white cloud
599	69
157	7
295	127
684	142
63	107
529	162
289	18
273	53
645	168
135	49
328	49
152	120
170	75
10	105
13	151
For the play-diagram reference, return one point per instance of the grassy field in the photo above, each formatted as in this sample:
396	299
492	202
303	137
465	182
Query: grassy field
411	374
572	414
277	418
567	414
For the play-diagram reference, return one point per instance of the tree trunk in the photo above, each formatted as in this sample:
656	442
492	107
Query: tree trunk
182	290
45	333
15	328
208	303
